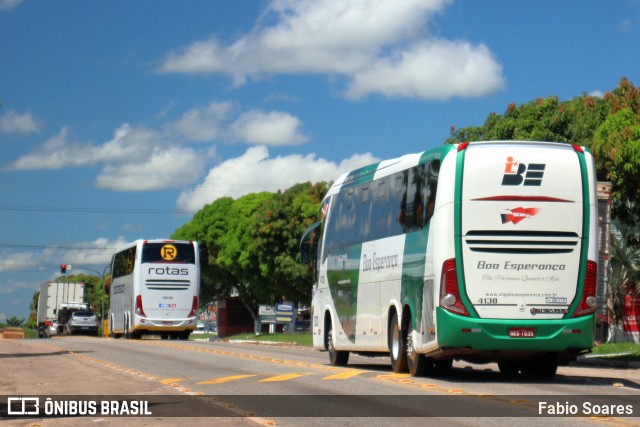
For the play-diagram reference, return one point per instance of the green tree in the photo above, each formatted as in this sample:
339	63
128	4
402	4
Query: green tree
33	311
14	321
208	226
546	119
249	246
238	251
279	224
625	272
616	145
608	126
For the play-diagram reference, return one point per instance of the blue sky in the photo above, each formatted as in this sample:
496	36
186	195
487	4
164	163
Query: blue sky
120	119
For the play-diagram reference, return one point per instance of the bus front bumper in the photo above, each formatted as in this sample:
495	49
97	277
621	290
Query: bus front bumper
150	324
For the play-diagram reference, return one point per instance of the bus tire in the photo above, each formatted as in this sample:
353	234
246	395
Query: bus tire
336	357
443	365
418	364
127	334
397	345
544	367
509	369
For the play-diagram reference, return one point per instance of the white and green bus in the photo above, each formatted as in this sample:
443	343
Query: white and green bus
481	251
155	286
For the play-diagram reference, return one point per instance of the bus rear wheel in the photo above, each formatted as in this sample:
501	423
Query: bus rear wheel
127	334
419	364
509	369
397	345
336	357
544	367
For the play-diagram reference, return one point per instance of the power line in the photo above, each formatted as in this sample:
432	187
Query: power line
23	246
29	268
93	210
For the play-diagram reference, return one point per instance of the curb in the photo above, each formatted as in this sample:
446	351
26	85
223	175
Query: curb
595	361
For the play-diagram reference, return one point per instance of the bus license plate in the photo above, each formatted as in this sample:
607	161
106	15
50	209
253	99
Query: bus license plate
522	332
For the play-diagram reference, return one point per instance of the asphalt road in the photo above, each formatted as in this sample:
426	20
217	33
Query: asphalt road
285	385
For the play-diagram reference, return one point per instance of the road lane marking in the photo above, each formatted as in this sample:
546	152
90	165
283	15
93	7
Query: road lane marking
171	380
284	377
344	375
223	380
396	378
392	376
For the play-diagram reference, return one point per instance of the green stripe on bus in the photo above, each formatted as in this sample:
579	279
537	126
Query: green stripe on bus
584	249
458	234
343	284
360	176
411	293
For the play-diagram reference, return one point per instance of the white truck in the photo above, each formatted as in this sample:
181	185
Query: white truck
56	303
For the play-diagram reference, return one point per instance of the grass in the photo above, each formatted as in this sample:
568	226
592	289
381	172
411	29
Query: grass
299	338
622	351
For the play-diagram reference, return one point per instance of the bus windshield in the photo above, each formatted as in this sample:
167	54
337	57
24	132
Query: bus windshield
173	252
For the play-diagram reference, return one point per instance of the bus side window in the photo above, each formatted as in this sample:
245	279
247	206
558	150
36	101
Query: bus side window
430	189
380	209
363	213
397	192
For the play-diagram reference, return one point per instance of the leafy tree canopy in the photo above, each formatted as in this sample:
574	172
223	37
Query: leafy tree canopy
249	246
609	126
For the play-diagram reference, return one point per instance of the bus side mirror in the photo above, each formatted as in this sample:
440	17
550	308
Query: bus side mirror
309	244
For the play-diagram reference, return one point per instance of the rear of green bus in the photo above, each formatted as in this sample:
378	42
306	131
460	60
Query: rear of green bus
521	288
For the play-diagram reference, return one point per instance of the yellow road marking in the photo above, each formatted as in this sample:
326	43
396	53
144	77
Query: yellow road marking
226	379
171	380
343	375
284	377
392	376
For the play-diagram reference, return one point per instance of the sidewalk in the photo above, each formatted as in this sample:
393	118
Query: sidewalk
596	360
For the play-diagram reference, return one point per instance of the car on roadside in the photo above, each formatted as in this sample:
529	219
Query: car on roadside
51	328
82	321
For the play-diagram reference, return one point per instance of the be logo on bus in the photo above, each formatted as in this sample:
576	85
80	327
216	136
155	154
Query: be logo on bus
516	173
168	252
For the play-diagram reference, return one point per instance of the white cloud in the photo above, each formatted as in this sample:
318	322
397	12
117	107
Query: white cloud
169	168
97	252
268	128
139	158
56	153
9	4
128	144
12	122
255	171
204	123
349	38
431	70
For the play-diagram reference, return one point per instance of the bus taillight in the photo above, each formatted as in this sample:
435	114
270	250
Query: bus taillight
139	310
588	302
194	308
449	292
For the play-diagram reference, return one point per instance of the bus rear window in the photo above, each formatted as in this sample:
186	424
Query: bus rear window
172	252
